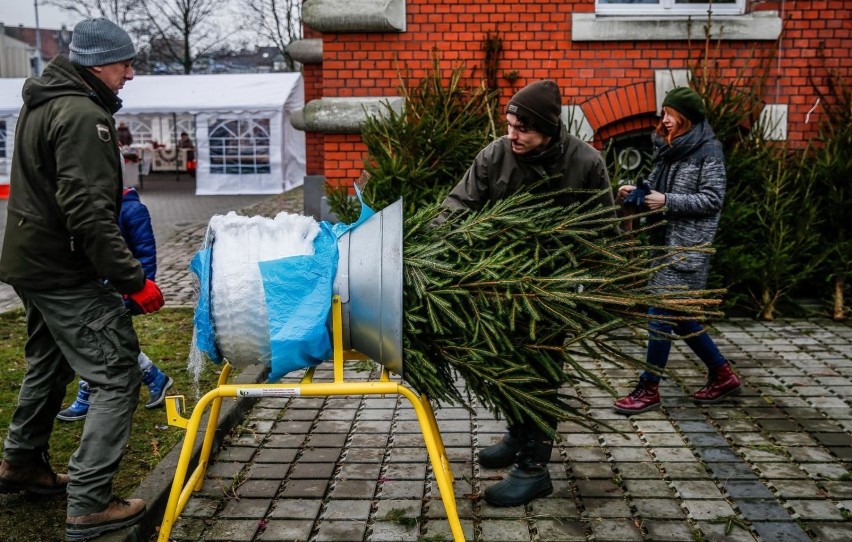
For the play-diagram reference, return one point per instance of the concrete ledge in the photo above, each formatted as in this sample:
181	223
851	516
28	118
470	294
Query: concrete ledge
760	26
340	16
341	115
157	486
306	51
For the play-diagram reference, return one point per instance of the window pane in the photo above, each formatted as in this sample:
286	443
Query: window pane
239	146
668	7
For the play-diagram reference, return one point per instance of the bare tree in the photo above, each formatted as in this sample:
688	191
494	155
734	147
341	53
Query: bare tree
278	21
184	30
123	12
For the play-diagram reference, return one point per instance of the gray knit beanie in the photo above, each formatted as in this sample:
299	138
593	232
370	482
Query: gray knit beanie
538	105
98	42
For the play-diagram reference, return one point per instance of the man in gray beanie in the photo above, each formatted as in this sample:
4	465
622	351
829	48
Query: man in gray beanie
65	256
536	147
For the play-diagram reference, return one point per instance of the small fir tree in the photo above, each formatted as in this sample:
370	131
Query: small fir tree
422	151
830	163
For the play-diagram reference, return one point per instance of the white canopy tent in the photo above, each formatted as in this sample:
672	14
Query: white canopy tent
10	107
244	141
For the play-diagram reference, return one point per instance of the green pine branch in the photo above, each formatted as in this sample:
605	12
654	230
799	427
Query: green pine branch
517	297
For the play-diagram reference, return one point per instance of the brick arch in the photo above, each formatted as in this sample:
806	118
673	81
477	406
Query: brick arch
621	110
648	122
620	103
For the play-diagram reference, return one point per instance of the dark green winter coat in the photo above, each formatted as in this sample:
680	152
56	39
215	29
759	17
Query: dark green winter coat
65	189
497	172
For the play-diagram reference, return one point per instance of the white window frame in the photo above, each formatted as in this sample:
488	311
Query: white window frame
244	150
160	128
140	129
670	8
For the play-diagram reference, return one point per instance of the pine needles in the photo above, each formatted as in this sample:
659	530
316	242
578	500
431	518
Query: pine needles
516	297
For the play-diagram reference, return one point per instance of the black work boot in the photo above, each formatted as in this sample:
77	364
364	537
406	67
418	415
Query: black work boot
504	452
529	479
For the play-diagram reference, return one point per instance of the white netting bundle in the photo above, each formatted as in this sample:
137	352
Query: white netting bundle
238	306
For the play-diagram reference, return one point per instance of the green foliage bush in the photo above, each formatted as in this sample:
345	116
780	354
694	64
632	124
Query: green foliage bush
783	210
421	152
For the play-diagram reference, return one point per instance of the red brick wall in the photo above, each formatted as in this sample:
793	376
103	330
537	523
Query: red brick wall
613	81
344	157
312	75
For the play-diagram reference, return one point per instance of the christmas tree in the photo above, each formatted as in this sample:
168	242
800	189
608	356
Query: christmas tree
514	297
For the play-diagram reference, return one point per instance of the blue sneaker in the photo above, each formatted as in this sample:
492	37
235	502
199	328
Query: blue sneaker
80	407
157	383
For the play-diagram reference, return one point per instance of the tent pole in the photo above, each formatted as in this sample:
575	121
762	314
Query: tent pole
175	143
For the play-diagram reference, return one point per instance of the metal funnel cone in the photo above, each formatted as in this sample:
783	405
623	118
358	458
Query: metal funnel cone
369	282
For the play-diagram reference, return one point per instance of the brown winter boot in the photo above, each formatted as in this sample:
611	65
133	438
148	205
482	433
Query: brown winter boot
119	514
721	382
36	477
645	397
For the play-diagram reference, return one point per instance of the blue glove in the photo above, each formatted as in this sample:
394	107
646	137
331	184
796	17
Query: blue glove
636	198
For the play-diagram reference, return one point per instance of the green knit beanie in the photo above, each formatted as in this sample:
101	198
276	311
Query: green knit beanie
687	102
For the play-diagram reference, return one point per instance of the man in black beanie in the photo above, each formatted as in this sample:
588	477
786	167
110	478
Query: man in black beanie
62	242
536	147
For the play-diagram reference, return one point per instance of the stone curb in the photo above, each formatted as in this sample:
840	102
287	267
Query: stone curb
156	487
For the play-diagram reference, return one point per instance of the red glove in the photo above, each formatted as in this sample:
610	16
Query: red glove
149	298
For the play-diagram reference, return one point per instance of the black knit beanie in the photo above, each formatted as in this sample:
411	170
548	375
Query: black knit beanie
538	105
687	102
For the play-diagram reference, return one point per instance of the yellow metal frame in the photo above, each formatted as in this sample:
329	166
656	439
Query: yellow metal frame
183	486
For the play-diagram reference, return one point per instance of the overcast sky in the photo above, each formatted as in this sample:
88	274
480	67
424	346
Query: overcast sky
22	12
15	12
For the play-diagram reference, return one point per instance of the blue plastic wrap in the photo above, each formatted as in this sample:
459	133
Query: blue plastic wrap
297	292
298	299
205	333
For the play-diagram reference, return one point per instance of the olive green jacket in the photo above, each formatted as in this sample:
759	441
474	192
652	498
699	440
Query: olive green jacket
497	172
65	189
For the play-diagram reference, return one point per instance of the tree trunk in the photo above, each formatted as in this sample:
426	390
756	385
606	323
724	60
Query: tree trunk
767	312
839	314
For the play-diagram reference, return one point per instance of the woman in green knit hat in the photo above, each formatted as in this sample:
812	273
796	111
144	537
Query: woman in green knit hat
688	181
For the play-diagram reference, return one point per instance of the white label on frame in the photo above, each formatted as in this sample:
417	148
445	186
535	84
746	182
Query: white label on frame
268	392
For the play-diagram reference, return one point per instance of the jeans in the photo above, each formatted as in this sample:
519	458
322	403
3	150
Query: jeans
659	345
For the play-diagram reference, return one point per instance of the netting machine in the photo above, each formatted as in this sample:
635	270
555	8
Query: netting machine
366	318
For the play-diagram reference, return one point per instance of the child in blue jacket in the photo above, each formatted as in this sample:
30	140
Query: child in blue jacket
134	221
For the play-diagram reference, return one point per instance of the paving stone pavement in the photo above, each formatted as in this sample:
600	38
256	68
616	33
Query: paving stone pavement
772	465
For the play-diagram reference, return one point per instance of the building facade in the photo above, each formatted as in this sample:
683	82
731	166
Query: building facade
613	59
16	57
52	42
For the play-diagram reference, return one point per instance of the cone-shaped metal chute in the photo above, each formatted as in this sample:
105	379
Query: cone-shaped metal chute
369	282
